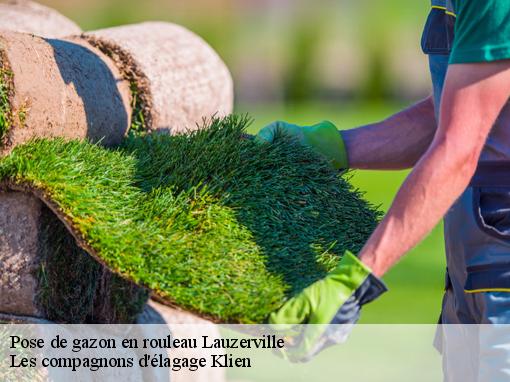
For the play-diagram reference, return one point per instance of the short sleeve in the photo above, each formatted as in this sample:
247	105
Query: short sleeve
482	31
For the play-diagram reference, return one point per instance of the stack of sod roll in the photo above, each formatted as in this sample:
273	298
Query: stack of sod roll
55	82
100	86
68	88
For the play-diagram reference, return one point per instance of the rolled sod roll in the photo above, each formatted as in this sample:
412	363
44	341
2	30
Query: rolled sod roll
29	17
176	77
59	88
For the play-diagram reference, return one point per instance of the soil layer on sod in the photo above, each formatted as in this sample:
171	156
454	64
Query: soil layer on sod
213	223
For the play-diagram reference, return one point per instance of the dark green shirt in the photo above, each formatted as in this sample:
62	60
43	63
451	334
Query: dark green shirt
482	31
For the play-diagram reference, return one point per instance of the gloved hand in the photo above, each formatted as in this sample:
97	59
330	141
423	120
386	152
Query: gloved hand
330	307
323	137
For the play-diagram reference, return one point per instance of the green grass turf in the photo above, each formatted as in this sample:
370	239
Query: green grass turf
416	283
214	223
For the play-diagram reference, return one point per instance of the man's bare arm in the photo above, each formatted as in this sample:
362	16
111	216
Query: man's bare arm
473	97
395	143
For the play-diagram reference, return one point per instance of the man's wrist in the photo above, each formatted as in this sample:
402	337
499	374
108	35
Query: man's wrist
368	258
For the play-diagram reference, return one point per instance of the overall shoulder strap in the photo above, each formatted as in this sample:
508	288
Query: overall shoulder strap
439	30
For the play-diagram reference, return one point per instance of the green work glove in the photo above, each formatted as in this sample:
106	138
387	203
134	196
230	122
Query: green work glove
323	137
330	307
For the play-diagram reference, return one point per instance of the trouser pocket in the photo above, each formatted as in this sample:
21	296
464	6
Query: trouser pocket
492	210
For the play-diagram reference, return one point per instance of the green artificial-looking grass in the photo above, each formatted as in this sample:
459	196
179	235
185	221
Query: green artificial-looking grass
211	222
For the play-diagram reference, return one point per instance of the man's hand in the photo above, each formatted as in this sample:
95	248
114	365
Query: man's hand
323	138
329	308
398	142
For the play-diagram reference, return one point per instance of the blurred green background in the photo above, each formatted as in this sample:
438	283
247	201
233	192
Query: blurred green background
349	61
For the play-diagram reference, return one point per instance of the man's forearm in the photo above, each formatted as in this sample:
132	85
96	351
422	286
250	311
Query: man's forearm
422	201
395	143
473	97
